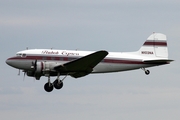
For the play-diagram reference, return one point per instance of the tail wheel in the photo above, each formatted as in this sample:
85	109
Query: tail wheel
48	87
147	72
58	85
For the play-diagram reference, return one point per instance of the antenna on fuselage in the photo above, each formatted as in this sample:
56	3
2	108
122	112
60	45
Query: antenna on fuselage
27	48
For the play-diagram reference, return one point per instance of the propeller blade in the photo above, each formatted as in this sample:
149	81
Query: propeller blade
19	72
24	75
34	65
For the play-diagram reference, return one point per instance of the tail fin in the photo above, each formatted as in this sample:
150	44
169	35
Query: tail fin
155	46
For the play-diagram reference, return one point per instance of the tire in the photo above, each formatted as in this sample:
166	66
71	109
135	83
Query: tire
58	85
48	88
147	72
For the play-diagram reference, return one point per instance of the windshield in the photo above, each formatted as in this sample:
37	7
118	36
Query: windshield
21	54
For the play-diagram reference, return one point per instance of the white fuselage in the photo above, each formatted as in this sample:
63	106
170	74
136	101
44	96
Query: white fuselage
113	62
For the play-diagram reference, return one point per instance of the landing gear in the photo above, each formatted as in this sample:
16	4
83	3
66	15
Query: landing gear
147	72
58	84
48	87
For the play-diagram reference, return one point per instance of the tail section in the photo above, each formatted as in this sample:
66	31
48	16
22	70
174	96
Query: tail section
155	46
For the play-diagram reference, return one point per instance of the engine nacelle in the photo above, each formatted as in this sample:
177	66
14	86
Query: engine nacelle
43	66
40	69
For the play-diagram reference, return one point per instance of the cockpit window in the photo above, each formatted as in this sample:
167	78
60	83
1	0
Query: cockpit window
21	55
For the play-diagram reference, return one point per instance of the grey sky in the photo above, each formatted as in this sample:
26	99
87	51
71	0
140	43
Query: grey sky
90	25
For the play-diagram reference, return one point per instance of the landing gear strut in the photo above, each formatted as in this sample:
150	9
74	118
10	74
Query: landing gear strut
58	84
147	72
48	87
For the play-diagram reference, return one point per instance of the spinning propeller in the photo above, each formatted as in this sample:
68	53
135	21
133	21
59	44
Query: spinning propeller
24	75
34	65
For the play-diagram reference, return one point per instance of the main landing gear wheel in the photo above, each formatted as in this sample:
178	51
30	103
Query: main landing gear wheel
58	85
48	87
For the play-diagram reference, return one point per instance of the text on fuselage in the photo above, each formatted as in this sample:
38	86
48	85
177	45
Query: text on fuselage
69	53
50	52
66	53
147	52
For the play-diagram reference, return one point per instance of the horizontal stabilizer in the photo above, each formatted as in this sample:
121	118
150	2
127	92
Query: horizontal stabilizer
157	61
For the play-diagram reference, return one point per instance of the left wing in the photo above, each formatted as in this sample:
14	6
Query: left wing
82	66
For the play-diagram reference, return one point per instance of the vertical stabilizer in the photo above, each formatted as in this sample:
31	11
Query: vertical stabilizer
155	46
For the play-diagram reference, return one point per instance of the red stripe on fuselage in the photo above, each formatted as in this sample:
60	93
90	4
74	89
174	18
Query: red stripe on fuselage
49	58
122	61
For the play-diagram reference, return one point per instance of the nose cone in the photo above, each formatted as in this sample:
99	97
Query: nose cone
19	63
12	62
9	62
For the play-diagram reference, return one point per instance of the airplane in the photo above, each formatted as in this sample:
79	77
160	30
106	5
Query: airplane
51	62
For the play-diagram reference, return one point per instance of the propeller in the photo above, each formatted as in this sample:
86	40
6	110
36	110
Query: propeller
19	72
24	75
34	65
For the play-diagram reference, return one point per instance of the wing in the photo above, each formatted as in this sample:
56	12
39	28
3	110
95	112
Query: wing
82	66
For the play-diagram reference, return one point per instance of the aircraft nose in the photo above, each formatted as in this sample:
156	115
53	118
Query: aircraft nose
9	62
19	64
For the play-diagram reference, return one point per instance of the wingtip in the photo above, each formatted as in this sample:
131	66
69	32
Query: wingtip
104	51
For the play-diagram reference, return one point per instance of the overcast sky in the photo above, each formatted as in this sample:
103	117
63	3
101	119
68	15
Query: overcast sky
112	25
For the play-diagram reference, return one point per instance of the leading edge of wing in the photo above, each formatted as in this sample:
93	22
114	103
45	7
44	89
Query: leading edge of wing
83	64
